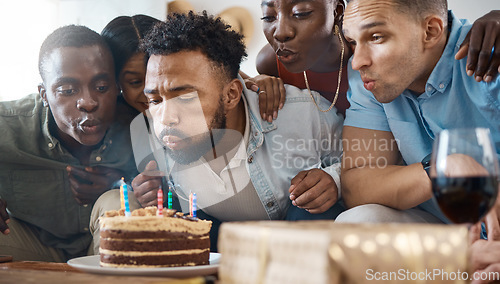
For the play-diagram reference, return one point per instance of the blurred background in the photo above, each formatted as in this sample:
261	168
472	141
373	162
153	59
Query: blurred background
24	24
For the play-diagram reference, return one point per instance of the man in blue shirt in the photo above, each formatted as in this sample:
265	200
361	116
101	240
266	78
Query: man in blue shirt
404	52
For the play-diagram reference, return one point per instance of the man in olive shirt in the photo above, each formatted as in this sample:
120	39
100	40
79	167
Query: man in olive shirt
61	149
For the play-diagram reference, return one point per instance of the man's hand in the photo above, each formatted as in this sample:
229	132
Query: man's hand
271	92
485	257
313	190
4	217
146	185
483	36
88	184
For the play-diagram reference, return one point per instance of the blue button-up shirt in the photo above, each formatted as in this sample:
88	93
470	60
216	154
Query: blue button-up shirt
451	100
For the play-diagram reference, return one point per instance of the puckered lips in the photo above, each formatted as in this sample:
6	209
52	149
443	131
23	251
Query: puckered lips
286	55
90	126
173	138
173	142
368	83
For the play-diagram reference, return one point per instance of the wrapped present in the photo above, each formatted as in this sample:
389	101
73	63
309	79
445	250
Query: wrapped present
323	252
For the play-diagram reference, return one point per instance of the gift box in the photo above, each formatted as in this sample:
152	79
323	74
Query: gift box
324	252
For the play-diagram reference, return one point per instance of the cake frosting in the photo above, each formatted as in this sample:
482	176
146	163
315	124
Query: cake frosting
147	240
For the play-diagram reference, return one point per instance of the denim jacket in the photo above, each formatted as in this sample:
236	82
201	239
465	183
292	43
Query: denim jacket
301	138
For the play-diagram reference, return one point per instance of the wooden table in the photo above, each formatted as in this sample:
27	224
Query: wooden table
55	273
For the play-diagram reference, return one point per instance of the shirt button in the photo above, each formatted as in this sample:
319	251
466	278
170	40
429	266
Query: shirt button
86	229
429	88
250	159
270	204
50	145
98	158
441	86
256	133
104	147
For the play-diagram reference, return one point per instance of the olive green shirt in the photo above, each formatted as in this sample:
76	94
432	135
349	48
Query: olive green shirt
33	176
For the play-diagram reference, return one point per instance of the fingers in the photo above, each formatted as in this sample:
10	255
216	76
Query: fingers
492	226
483	37
484	55
4	217
275	99
272	94
315	192
475	37
106	175
474	233
85	193
148	198
464	49
294	192
251	85
282	99
146	186
326	202
148	175
81	175
263	103
494	67
151	166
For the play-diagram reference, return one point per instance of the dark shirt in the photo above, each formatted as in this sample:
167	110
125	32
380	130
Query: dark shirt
33	176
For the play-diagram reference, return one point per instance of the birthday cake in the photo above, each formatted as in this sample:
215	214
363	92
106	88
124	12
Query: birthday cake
147	240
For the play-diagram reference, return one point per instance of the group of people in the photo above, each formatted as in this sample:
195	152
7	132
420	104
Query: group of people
164	105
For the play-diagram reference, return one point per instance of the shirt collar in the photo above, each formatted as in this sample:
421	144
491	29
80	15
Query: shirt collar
442	74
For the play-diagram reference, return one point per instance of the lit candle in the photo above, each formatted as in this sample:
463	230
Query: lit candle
160	202
125	198
169	200
194	206
191	204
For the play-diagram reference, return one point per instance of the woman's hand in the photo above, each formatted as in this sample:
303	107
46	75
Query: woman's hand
271	95
477	46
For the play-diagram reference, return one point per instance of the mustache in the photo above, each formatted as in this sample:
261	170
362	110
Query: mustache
172	132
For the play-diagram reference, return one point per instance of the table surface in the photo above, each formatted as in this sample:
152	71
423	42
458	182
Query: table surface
47	272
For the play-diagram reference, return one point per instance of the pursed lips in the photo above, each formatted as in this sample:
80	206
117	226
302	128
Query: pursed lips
369	84
89	126
286	55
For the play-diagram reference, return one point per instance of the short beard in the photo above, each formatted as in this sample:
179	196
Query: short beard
200	144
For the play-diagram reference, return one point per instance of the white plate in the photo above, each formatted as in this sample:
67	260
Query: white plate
91	264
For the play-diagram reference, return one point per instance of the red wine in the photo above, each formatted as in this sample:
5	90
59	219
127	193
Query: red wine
465	199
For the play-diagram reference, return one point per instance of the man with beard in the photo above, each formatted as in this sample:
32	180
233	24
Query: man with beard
61	149
413	88
216	144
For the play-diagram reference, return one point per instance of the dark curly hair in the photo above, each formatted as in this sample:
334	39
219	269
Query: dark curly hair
123	35
68	36
192	32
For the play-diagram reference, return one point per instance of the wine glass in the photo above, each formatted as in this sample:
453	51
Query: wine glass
464	173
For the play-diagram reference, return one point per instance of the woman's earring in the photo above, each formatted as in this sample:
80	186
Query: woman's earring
337	29
45	103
